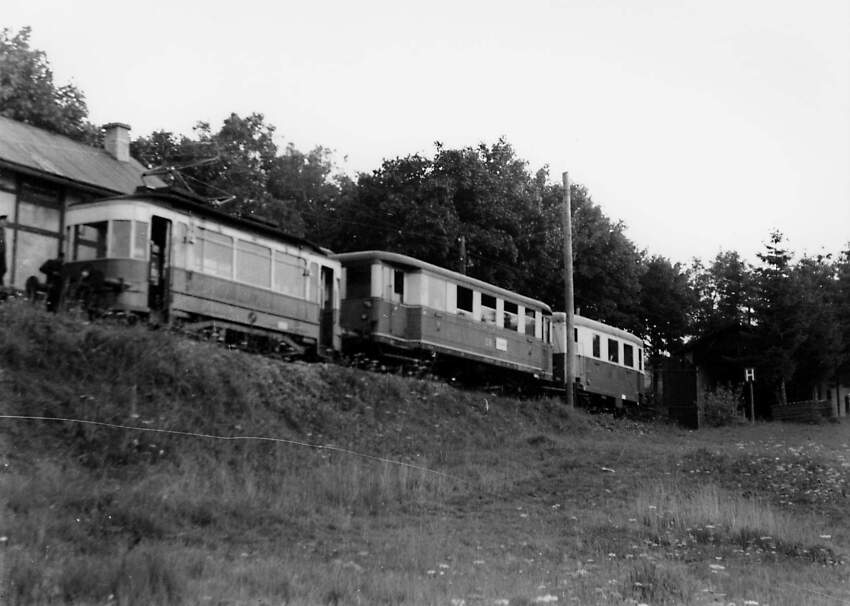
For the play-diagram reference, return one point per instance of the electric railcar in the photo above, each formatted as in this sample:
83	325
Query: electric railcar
410	307
170	256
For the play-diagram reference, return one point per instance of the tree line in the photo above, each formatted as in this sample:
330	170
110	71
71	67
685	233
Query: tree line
482	210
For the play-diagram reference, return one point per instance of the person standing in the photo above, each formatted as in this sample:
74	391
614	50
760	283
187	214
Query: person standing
54	269
2	249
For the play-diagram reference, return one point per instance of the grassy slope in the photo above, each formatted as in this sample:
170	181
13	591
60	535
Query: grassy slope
525	501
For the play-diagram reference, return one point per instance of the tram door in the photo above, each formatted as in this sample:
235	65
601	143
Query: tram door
159	266
326	318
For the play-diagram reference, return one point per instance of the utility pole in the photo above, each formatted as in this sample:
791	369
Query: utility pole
569	306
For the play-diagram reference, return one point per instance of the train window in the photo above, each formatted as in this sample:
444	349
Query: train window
140	240
288	274
488	308
613	351
575	335
628	355
640	359
216	253
511	315
597	346
89	241
119	239
530	322
253	264
464	300
358	281
398	286
436	294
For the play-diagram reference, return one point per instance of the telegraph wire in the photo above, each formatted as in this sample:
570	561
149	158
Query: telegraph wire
327	447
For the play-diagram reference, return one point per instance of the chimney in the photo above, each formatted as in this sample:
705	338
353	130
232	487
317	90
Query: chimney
116	140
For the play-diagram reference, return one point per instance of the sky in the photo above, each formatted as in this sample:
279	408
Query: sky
702	125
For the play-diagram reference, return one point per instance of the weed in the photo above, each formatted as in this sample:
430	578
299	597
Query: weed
149	575
648	582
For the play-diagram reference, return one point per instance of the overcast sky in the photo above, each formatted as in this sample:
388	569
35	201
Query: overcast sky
703	125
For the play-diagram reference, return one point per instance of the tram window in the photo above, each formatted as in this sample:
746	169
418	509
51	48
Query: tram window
358	281
628	355
640	359
597	346
216	253
575	335
436	293
488	308
613	351
530	321
89	241
464	300
398	286
253	263
140	241
119	239
288	274
511	315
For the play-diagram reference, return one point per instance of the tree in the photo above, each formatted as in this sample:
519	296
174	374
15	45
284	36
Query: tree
724	293
818	356
28	93
666	300
779	314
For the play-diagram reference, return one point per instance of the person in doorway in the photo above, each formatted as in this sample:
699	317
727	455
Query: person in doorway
2	249
54	269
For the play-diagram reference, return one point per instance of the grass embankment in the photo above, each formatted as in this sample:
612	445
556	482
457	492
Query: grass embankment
484	499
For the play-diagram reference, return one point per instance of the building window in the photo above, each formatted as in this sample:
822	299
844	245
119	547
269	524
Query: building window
488	309
613	351
597	346
511	315
464	300
628	355
89	241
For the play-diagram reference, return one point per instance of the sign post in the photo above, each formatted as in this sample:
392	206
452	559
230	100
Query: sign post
750	377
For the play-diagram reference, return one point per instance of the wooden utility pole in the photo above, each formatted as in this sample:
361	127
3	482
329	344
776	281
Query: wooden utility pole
462	261
569	306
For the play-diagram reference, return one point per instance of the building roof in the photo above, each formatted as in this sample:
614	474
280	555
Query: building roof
31	149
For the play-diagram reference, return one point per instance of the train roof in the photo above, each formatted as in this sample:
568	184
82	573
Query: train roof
404	260
600	327
198	206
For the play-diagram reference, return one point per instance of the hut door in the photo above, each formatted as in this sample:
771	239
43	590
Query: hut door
159	265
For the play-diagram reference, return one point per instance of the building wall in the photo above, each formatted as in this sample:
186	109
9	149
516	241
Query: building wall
34	233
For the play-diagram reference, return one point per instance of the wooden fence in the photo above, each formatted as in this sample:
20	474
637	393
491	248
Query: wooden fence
808	411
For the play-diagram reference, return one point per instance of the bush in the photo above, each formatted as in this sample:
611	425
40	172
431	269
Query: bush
720	407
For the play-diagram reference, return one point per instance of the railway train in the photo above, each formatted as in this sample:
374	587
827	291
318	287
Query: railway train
170	257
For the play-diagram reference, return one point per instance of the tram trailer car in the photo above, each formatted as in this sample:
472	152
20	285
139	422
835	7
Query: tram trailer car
174	258
406	307
608	365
